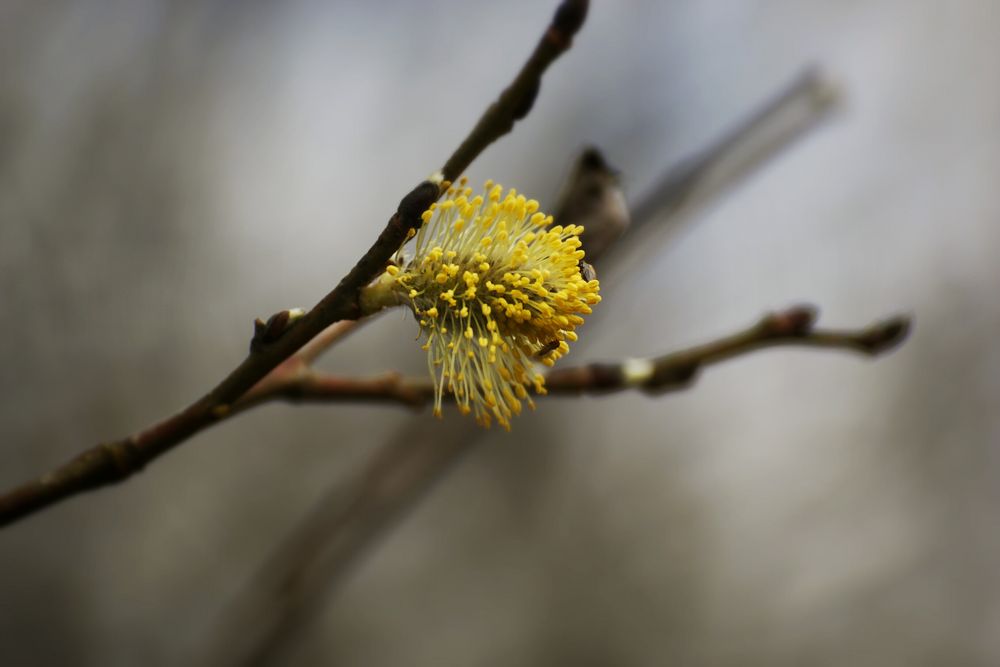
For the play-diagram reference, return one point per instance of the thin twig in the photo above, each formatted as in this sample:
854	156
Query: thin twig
655	375
517	99
278	339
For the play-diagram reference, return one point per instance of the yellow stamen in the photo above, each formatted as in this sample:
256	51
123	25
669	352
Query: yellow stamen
482	343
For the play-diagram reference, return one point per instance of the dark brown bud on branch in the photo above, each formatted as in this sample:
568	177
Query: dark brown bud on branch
275	327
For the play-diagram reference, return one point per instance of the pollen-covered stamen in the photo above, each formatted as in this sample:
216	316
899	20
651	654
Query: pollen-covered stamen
494	286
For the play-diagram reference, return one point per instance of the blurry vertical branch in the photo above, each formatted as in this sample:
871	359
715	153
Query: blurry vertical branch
278	339
287	591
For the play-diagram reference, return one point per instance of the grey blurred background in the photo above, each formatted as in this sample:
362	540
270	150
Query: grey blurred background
169	171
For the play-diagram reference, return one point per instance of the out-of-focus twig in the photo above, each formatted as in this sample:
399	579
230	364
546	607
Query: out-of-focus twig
283	334
279	599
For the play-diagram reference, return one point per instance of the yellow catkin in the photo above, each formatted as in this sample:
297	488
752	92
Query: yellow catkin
495	288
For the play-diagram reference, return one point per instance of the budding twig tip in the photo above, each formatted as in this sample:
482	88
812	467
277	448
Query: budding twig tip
888	333
275	326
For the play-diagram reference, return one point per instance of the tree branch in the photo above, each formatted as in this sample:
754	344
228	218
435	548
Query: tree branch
277	340
517	99
794	327
114	461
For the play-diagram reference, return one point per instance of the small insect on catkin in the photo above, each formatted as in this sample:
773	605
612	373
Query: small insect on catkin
496	287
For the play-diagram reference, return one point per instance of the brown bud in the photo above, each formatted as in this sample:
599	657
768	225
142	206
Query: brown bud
274	328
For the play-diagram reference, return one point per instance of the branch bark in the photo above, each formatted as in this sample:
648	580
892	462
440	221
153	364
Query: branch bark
517	99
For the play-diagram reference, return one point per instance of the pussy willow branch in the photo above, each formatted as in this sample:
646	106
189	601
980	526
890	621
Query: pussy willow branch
656	375
113	461
775	125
